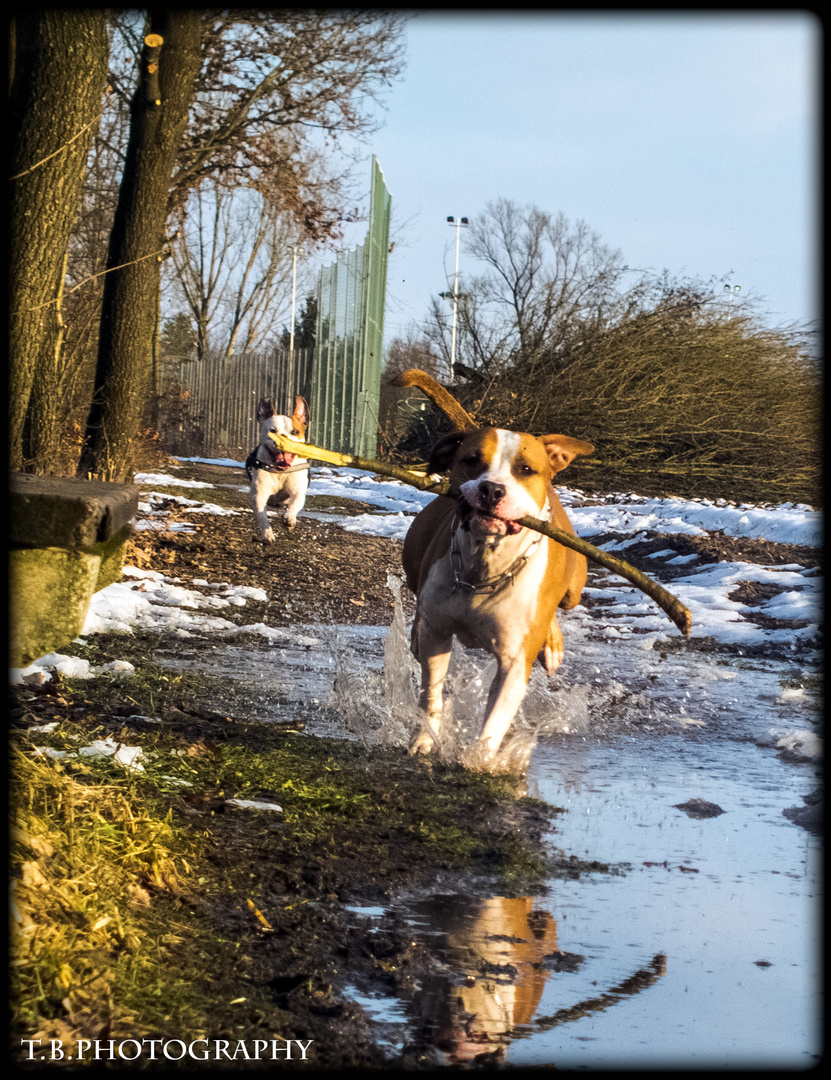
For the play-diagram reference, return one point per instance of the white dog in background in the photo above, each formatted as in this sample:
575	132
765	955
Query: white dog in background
275	474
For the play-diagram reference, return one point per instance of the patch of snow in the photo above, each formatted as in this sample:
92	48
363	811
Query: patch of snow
128	756
165	480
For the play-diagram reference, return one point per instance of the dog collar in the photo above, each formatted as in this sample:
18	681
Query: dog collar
495	583
292	468
256	464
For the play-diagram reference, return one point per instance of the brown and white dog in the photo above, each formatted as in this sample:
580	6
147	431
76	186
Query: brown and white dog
480	576
275	474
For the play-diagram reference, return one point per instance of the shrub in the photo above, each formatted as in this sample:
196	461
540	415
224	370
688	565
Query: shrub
696	402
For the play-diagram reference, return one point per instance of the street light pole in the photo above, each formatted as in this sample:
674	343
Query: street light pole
458	223
295	249
732	290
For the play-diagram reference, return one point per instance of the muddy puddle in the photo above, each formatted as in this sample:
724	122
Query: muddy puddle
693	775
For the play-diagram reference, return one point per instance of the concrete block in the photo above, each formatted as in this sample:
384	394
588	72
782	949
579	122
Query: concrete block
51	511
67	542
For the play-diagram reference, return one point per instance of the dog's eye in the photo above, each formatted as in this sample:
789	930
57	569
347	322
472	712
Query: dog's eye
472	459
525	470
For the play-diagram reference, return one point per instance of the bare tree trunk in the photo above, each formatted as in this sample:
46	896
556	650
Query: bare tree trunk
170	64
202	339
60	68
156	373
40	430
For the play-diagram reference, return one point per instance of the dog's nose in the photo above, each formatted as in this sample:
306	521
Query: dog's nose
491	494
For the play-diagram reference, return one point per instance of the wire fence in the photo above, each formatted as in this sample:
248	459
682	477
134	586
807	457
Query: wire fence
223	393
350	335
340	377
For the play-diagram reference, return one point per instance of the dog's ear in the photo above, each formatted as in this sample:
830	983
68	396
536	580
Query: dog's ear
442	454
300	417
562	450
265	410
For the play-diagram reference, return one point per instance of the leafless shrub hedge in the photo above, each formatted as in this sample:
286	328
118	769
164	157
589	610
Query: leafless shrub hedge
705	404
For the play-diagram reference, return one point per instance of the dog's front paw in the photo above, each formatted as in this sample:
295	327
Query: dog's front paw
552	653
268	536
423	743
551	657
291	523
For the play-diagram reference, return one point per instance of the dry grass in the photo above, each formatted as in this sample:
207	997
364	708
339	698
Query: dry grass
87	868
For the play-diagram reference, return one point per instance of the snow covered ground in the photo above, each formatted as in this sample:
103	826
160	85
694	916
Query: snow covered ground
166	602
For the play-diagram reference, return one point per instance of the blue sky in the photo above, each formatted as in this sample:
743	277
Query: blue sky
687	141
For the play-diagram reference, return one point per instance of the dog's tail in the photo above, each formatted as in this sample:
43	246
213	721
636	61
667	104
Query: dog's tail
460	419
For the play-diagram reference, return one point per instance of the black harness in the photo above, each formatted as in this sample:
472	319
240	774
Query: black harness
252	462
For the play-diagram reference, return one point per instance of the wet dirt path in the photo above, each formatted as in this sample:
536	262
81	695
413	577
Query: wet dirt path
687	804
692	772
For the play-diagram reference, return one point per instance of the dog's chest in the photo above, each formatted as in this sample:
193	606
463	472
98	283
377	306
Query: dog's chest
497	610
284	485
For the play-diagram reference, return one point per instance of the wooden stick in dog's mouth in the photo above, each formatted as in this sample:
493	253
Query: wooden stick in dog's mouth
668	603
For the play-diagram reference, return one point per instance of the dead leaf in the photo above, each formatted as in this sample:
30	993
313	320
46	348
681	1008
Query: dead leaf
32	875
266	925
137	896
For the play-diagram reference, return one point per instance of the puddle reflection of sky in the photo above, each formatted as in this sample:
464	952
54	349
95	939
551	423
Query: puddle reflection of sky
739	924
750	893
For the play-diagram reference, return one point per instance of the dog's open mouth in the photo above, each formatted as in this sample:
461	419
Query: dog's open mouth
279	460
485	521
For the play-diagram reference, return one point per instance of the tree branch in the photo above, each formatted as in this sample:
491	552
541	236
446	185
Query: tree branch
668	603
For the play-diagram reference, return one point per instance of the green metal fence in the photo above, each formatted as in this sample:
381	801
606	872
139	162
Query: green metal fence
341	378
349	340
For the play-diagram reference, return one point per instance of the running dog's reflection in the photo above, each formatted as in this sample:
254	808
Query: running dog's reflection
492	951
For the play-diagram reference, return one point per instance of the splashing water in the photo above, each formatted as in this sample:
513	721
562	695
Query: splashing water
401	671
381	707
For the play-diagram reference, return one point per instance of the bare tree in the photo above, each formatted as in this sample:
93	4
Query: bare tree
278	92
233	265
270	95
200	257
485	346
170	62
414	350
86	265
544	277
260	295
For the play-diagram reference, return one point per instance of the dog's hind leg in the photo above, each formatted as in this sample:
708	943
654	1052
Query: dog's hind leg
295	504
